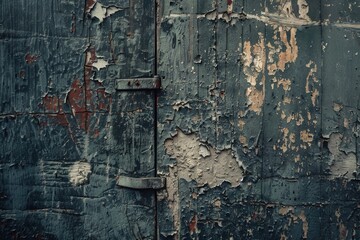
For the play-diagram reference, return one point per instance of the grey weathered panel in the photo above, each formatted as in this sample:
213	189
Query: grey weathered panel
265	76
66	132
292	105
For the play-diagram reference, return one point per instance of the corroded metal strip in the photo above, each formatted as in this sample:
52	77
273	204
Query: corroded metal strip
141	183
138	83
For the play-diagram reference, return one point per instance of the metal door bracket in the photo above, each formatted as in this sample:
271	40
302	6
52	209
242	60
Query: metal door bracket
138	83
141	183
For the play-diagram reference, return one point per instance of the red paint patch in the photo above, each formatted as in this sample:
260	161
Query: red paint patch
89	5
229	2
52	120
103	100
76	97
83	119
50	103
193	225
29	59
85	98
59	119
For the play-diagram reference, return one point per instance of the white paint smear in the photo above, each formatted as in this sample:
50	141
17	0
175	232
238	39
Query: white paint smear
79	173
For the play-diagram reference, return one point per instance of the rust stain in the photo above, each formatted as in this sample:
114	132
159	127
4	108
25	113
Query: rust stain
30	59
193	225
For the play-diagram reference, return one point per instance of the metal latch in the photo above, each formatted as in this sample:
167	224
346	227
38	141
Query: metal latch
138	83
141	183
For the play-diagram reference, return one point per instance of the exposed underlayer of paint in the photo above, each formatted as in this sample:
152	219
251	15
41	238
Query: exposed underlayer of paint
270	85
202	163
342	164
79	173
101	12
254	59
273	55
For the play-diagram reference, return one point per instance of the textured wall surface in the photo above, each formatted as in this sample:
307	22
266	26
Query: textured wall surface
259	119
256	127
66	133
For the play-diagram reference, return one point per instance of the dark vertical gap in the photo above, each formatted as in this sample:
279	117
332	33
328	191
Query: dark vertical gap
263	120
155	96
321	113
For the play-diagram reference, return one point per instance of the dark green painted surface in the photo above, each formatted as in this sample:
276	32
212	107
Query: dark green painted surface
257	127
66	132
273	85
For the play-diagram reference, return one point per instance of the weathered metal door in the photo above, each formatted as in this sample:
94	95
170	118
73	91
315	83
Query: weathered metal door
69	128
259	119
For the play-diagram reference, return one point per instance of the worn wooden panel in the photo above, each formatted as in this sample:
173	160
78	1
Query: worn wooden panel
66	133
265	152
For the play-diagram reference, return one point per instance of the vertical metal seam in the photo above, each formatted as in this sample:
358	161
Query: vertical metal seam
262	124
156	15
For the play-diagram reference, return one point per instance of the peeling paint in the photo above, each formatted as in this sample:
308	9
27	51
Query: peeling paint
305	225
254	58
306	136
101	12
341	164
100	63
213	169
303	9
337	107
289	55
177	105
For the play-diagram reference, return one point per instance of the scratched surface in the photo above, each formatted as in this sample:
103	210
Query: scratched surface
66	134
259	119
